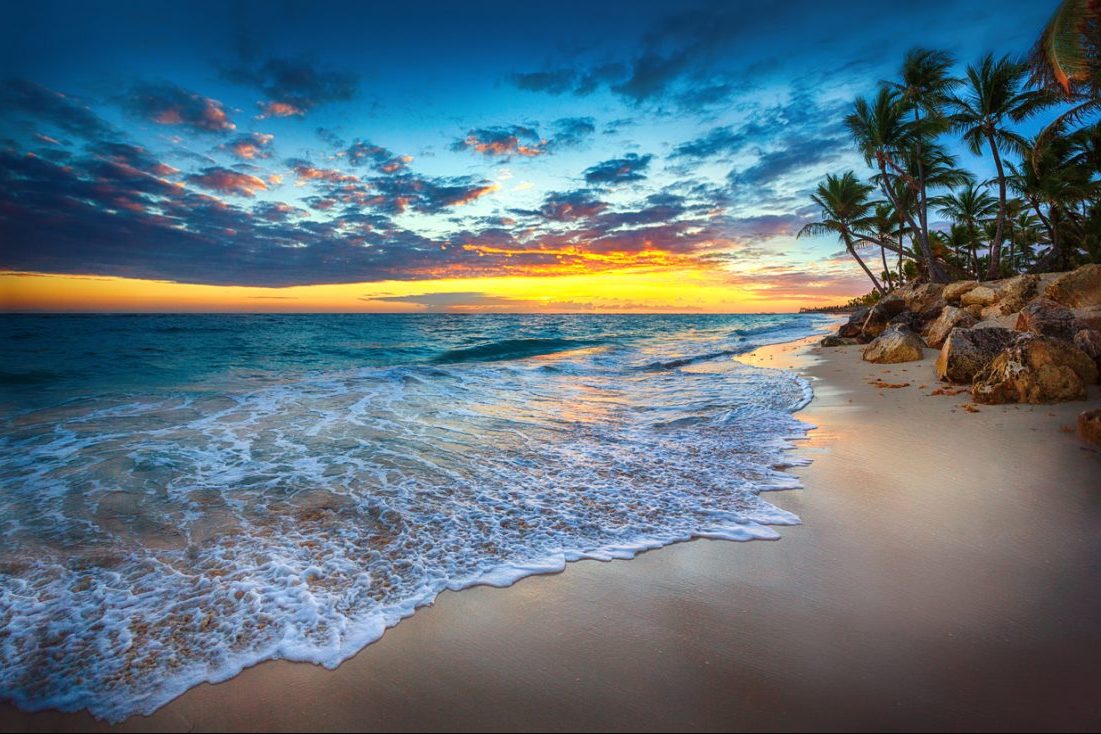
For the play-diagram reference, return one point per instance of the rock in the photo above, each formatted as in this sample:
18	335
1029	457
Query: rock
906	320
838	341
1035	369
975	309
1078	288
954	291
852	327
968	351
1089	341
896	344
998	322
1089	317
1014	293
1047	318
925	297
979	295
950	317
1089	426
883	311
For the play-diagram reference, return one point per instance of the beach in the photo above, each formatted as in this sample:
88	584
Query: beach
943	576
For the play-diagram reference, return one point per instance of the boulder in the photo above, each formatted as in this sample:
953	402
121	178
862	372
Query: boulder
954	291
838	341
1089	341
906	319
852	327
967	351
1088	317
975	309
925	297
950	317
1089	426
882	312
896	344
980	295
1035	369
1078	288
999	322
1014	293
1047	318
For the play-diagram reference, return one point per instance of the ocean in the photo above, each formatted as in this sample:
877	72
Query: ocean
183	496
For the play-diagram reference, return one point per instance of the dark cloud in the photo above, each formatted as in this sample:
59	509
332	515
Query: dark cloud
572	131
619	170
557	81
791	155
361	152
34	105
718	140
167	104
571	206
293	87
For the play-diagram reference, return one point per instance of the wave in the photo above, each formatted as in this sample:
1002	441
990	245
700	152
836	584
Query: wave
673	364
508	349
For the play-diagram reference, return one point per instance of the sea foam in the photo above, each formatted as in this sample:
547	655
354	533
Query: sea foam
159	538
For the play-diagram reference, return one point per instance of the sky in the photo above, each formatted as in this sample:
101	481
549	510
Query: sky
568	156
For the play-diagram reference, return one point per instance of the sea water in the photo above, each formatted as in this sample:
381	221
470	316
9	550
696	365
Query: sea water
182	496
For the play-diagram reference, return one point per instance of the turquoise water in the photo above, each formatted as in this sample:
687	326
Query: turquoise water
182	496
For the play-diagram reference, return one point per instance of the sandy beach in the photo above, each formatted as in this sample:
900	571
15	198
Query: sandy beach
944	576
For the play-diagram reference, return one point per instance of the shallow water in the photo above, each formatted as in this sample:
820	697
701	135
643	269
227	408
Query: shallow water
184	496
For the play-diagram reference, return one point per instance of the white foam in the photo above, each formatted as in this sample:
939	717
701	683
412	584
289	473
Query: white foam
154	544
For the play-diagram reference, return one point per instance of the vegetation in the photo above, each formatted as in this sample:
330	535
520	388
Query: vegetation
1042	208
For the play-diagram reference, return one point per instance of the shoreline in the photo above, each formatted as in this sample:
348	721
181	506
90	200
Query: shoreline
691	611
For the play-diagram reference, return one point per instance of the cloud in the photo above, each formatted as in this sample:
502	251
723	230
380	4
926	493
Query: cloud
167	104
502	142
572	131
717	141
250	146
228	181
293	87
571	206
454	300
619	170
37	104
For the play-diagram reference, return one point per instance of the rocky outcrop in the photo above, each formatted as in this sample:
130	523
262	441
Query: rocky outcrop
1078	288
1035	369
1047	318
954	291
925	297
1015	293
975	309
1088	317
968	351
1089	426
999	322
881	313
980	295
896	344
950	318
1089	341
838	341
852	327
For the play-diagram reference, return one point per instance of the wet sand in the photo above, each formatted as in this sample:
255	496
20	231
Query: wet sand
947	576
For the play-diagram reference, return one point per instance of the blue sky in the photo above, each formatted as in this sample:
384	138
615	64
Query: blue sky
279	144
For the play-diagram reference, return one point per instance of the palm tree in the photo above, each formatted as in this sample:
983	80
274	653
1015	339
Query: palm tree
884	137
970	207
924	88
994	94
880	225
844	204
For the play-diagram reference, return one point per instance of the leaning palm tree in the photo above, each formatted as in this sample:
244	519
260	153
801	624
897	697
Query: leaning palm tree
845	205
925	84
881	226
994	94
884	136
969	207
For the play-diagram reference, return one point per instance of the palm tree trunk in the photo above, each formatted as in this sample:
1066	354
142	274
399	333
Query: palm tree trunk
935	274
852	251
886	268
994	270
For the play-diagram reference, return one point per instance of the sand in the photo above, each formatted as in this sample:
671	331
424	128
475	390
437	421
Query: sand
947	575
